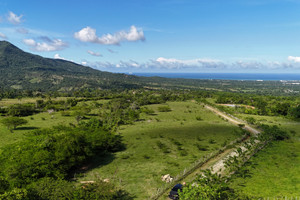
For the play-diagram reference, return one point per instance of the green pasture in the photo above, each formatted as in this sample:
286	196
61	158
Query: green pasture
7	102
162	143
275	171
40	120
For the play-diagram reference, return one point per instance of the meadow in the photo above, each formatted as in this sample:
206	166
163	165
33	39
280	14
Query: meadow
163	143
274	171
170	139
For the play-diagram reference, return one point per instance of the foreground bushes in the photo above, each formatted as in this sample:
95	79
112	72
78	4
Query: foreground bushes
209	186
52	153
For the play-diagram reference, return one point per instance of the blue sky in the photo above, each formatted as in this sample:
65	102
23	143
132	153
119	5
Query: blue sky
159	35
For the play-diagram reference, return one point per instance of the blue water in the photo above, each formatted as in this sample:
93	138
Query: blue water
226	76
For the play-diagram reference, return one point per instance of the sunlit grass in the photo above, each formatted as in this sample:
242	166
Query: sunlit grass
163	143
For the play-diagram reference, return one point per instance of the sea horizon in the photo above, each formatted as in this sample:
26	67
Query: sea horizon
225	76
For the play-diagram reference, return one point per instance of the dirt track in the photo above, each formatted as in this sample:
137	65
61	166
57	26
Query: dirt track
216	163
232	120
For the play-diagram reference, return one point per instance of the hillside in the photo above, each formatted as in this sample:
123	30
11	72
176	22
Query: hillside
25	71
22	70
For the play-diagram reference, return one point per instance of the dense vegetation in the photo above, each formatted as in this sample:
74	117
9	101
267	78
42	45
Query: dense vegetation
53	153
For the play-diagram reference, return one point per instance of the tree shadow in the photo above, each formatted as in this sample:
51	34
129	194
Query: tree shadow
96	161
93	115
26	128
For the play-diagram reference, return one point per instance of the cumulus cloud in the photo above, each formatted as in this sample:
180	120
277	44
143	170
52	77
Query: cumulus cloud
47	44
195	65
57	56
14	19
172	63
294	59
3	36
88	34
161	63
94	53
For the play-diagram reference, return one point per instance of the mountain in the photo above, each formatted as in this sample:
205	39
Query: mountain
26	71
22	70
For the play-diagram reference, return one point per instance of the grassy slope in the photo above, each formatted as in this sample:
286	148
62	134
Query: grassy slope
275	171
138	169
41	120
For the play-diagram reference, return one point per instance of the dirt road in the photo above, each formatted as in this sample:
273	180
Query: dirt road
217	163
232	120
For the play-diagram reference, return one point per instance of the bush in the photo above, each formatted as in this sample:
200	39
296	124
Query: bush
54	153
147	110
163	147
21	110
250	120
208	186
199	118
211	141
201	147
13	122
51	189
164	109
274	133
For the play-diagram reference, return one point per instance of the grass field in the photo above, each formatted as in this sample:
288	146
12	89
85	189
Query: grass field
40	120
163	143
274	171
7	102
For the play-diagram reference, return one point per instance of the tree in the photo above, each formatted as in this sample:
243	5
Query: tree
164	109
295	112
12	122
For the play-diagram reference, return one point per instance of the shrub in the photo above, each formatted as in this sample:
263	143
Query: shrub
183	152
211	141
164	109
21	110
147	110
201	147
12	122
199	118
54	153
163	147
208	186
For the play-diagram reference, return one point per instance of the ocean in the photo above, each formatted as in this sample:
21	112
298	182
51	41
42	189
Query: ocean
227	76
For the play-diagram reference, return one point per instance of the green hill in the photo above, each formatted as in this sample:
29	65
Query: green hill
22	70
26	71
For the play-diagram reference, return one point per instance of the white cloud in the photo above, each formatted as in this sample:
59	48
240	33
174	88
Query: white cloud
94	53
294	59
14	19
88	34
172	63
57	56
46	45
29	42
2	35
162	64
